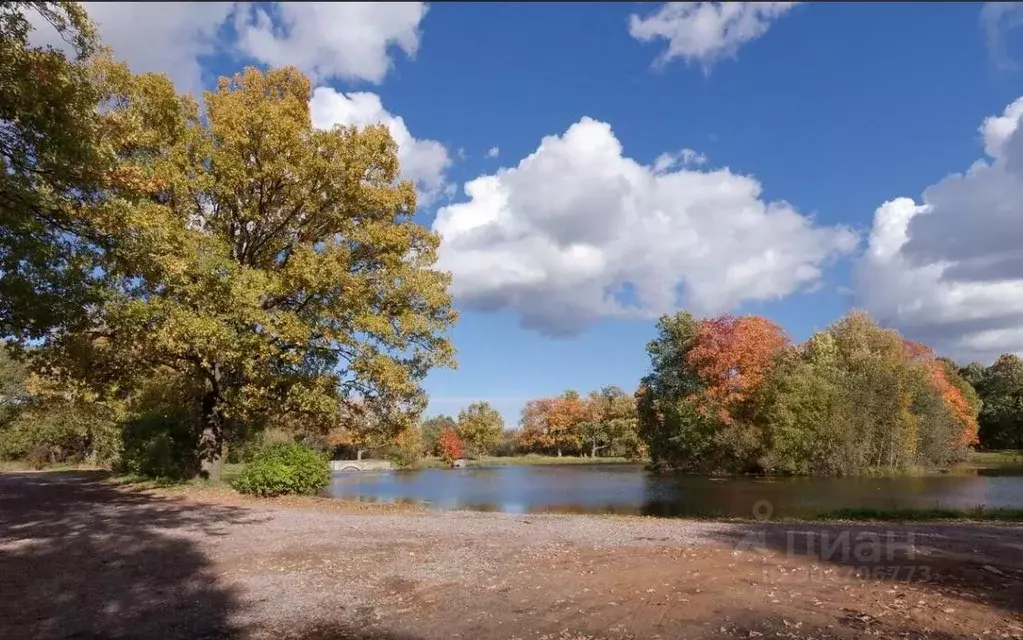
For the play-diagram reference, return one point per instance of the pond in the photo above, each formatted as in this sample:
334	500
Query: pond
629	489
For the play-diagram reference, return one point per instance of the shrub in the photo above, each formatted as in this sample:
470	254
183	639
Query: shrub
284	468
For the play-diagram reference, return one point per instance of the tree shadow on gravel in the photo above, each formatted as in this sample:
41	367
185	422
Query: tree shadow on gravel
80	558
976	562
83	559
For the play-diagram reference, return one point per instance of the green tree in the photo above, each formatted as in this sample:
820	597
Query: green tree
51	162
408	448
13	391
480	427
803	416
275	264
361	428
676	433
431	430
60	422
1000	388
611	421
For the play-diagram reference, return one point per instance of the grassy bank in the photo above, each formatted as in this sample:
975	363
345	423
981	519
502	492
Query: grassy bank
979	514
14	466
1005	457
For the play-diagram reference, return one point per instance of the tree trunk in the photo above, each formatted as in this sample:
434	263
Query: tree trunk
358	454
211	440
559	452
593	450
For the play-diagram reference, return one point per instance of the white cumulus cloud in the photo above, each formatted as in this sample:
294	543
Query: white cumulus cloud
706	32
998	19
684	158
949	270
578	231
494	152
343	40
162	37
422	161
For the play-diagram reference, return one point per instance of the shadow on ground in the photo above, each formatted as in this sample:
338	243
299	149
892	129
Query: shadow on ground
83	559
984	566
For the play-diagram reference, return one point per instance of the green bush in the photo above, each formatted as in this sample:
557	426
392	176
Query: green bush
284	468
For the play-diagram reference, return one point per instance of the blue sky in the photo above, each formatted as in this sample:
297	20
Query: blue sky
830	110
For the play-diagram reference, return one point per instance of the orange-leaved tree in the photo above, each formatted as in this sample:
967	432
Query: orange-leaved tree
957	394
733	357
450	445
554	424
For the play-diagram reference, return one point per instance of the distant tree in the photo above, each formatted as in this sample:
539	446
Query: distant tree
973	373
431	429
732	394
13	392
534	433
610	421
407	448
803	415
480	427
509	444
959	396
55	422
554	424
362	428
450	445
1000	387
732	357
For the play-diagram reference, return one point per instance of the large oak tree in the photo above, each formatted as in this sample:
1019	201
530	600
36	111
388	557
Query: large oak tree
275	265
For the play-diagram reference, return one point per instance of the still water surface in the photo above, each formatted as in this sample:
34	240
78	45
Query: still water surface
629	489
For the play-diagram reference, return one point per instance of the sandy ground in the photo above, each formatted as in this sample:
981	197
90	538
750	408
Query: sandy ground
80	558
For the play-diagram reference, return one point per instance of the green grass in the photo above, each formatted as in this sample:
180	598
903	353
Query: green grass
922	515
997	458
22	465
230	472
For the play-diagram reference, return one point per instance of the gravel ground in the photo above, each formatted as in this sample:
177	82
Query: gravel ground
80	558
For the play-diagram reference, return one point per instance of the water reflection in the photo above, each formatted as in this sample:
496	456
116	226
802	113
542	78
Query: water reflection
629	489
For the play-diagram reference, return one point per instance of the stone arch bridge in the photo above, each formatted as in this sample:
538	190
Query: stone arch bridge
359	465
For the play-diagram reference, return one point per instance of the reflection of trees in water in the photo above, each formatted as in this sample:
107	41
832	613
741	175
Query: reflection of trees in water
674	495
570	489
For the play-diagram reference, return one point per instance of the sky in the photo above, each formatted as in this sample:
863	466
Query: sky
592	166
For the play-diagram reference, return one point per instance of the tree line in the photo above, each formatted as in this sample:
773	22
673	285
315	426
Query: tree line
603	423
733	394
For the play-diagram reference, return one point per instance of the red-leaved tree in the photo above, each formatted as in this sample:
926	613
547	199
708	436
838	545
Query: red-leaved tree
450	445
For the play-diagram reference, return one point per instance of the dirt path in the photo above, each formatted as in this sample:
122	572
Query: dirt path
80	558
